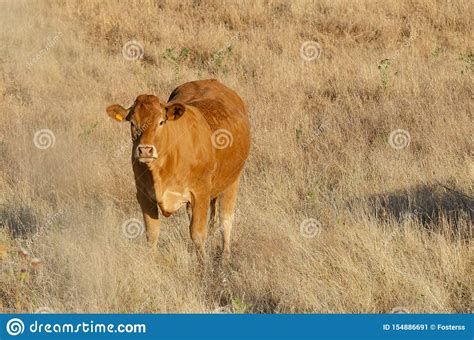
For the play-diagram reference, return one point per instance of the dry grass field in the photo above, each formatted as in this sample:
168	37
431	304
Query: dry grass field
335	213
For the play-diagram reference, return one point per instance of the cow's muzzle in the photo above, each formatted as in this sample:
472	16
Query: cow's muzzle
146	153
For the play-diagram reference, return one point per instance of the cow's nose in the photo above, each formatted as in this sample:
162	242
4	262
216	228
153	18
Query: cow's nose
146	151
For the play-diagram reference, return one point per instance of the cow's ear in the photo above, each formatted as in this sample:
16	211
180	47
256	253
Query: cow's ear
117	112
174	111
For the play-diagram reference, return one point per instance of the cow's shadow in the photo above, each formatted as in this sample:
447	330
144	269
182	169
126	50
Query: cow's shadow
428	204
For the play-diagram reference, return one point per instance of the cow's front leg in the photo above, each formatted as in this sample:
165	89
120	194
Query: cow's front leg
198	224
151	218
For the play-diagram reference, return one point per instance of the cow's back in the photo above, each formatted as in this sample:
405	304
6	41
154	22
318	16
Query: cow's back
210	89
225	113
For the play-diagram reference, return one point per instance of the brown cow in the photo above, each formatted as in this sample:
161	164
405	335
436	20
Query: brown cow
190	151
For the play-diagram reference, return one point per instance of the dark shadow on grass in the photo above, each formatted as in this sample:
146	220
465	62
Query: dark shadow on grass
429	204
18	220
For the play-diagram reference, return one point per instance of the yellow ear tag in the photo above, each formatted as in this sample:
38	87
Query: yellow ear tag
118	117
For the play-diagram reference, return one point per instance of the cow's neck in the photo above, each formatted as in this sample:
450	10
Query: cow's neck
165	169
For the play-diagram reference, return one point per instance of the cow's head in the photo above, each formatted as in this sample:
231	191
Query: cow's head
148	118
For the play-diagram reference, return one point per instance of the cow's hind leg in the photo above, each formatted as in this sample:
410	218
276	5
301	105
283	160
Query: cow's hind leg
151	218
226	213
198	231
212	217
